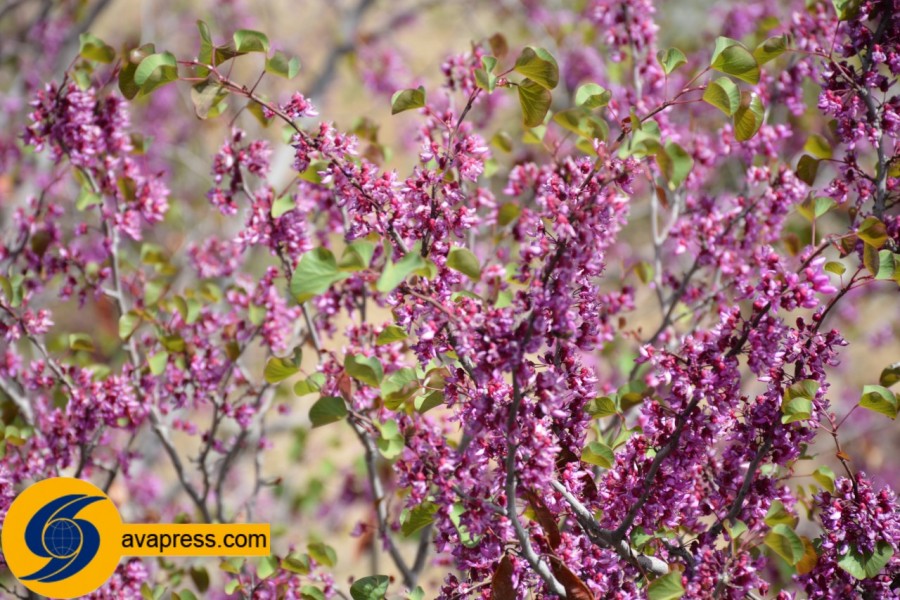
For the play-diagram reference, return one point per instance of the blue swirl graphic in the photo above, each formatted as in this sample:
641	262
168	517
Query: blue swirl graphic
54	532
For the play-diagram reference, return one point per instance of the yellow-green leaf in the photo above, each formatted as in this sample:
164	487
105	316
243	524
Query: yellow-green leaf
462	260
539	66
535	102
407	100
732	58
724	94
749	117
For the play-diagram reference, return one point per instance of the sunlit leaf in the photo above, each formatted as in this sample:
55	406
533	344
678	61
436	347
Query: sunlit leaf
732	58
671	59
247	40
724	94
749	117
538	66
326	410
404	100
462	260
535	102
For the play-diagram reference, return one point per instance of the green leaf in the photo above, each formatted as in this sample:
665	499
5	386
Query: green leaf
732	58
749	117
322	554
644	271
591	95
157	362
247	40
535	135
417	518
770	49
675	163
813	208
825	477
535	102
462	260
173	343
231	587
127	85
835	267
155	71
311	592
81	341
846	9
365	369
128	324
583	123
539	66
601	407
818	146
398	387
296	563
93	48
189	309
279	369
798	409
879	399
872	231
87	198
389	335
282	65
391	441
778	514
373	587
735	532
484	78
724	94
508	213
890	375
357	256
785	543
796	404
887	264
598	453
200	577
644	140
283	205
667	587
425	403
256	109
407	100
232	565
807	168
671	59
310	385
395	273
209	99
206	48
866	565
326	410
268	566
465	536
315	274
871	259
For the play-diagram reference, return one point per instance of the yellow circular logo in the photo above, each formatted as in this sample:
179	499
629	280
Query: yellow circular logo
61	537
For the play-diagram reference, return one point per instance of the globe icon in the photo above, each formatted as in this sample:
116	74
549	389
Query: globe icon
62	538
